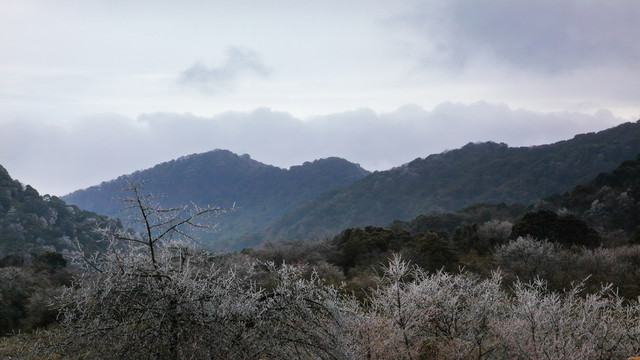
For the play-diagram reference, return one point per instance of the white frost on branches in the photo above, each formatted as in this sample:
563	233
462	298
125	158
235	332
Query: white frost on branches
154	296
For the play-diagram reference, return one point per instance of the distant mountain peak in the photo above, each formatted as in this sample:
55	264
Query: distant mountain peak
222	178
330	162
484	145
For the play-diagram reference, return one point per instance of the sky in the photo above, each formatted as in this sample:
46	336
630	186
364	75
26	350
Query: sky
94	89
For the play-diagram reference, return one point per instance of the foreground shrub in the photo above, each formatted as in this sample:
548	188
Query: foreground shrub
444	316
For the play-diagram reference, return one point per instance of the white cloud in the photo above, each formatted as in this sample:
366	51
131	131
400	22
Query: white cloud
62	158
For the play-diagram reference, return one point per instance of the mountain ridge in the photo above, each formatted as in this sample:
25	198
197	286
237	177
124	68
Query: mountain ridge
485	172
260	192
322	197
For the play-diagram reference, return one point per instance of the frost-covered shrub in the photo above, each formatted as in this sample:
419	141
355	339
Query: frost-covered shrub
446	316
154	296
527	258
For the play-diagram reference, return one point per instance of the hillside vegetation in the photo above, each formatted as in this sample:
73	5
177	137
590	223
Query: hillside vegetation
609	202
261	193
556	278
37	236
31	223
579	236
476	173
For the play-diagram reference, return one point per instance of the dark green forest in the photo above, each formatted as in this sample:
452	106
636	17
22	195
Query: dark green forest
476	173
260	192
31	223
323	197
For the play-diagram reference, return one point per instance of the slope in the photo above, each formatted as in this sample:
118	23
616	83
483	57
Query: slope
31	224
476	173
261	193
610	202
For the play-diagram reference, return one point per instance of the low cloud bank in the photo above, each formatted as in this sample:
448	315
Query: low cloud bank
58	159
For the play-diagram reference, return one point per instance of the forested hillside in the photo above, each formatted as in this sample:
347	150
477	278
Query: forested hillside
476	173
261	193
595	225
489	281
37	236
31	224
609	203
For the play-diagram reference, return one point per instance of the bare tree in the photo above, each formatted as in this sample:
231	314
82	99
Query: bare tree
155	296
304	318
151	295
527	258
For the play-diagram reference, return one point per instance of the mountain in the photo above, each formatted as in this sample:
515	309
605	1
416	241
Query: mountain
261	193
476	173
32	224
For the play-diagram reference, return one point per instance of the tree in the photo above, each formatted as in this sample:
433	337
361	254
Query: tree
149	288
542	324
527	258
431	251
418	315
366	247
567	229
495	232
155	296
305	319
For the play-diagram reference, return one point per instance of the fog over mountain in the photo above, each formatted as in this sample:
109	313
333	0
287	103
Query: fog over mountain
61	158
90	90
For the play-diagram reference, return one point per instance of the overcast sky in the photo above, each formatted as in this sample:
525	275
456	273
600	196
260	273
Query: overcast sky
90	90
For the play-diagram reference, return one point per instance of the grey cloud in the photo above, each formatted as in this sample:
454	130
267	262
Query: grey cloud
546	36
58	159
214	79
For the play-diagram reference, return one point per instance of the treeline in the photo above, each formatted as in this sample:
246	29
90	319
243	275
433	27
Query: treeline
559	249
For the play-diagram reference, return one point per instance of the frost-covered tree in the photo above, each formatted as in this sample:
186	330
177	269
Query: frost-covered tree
151	295
154	296
543	324
303	318
437	315
461	316
495	231
526	258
